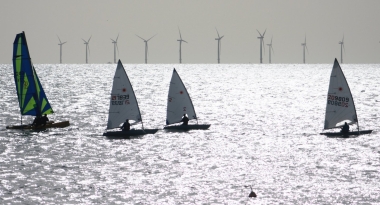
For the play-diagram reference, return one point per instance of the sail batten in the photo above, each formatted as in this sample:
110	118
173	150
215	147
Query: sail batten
179	101
123	102
31	96
340	105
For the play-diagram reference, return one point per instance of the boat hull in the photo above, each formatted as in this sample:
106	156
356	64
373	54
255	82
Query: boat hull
188	127
337	134
48	125
122	134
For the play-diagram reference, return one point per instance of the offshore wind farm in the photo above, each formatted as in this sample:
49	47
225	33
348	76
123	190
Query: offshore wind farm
267	111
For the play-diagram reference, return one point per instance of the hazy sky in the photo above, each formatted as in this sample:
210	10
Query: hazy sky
323	21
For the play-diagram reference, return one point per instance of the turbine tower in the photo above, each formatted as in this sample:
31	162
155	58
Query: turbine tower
219	44
146	47
304	46
114	48
60	49
261	37
87	47
341	49
270	49
180	46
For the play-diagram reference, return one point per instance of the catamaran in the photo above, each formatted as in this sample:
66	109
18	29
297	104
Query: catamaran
123	105
179	103
340	107
31	96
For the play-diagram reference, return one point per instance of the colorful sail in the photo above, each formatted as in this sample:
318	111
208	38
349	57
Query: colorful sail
340	106
31	96
123	102
179	101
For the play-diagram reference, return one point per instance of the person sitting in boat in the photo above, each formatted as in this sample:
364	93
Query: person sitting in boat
345	128
126	126
185	120
37	121
44	120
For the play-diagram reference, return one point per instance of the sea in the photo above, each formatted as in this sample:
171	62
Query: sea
264	137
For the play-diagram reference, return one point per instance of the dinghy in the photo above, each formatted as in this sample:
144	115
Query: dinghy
179	103
31	96
340	106
123	105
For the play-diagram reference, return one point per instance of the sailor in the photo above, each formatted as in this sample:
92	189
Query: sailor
44	120
37	121
185	119
345	128
126	126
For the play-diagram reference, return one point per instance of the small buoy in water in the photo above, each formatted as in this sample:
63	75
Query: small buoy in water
252	194
363	91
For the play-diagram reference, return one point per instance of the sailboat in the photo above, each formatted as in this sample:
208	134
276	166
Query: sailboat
340	107
123	105
179	104
31	96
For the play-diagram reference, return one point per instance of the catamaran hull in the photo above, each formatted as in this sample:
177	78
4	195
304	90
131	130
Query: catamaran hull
121	134
188	127
49	125
362	132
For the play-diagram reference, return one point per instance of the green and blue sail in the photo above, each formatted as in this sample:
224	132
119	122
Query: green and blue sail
31	96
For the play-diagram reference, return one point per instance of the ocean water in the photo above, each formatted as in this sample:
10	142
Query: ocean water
265	124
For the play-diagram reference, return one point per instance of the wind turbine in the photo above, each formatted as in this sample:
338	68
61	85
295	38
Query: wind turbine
60	49
180	45
261	37
114	48
219	45
270	49
304	46
146	47
341	49
87	47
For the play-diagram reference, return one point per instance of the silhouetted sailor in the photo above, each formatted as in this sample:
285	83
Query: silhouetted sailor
345	128
185	120
126	126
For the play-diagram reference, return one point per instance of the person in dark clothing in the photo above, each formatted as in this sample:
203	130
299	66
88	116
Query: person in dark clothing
185	120
44	120
345	128
126	126
37	121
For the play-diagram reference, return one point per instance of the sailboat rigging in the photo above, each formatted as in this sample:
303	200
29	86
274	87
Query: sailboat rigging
340	107
179	103
123	105
31	96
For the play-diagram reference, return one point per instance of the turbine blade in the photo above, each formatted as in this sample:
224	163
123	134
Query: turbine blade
88	47
59	39
305	39
217	32
259	33
140	37
271	41
264	32
152	37
89	39
344	49
272	49
64	42
180	36
84	40
117	47
307	49
184	41
117	37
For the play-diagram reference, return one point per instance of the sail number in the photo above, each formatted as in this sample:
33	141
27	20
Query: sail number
338	101
120	99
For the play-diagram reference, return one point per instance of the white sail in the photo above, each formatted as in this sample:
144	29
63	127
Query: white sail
179	101
340	106
123	103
